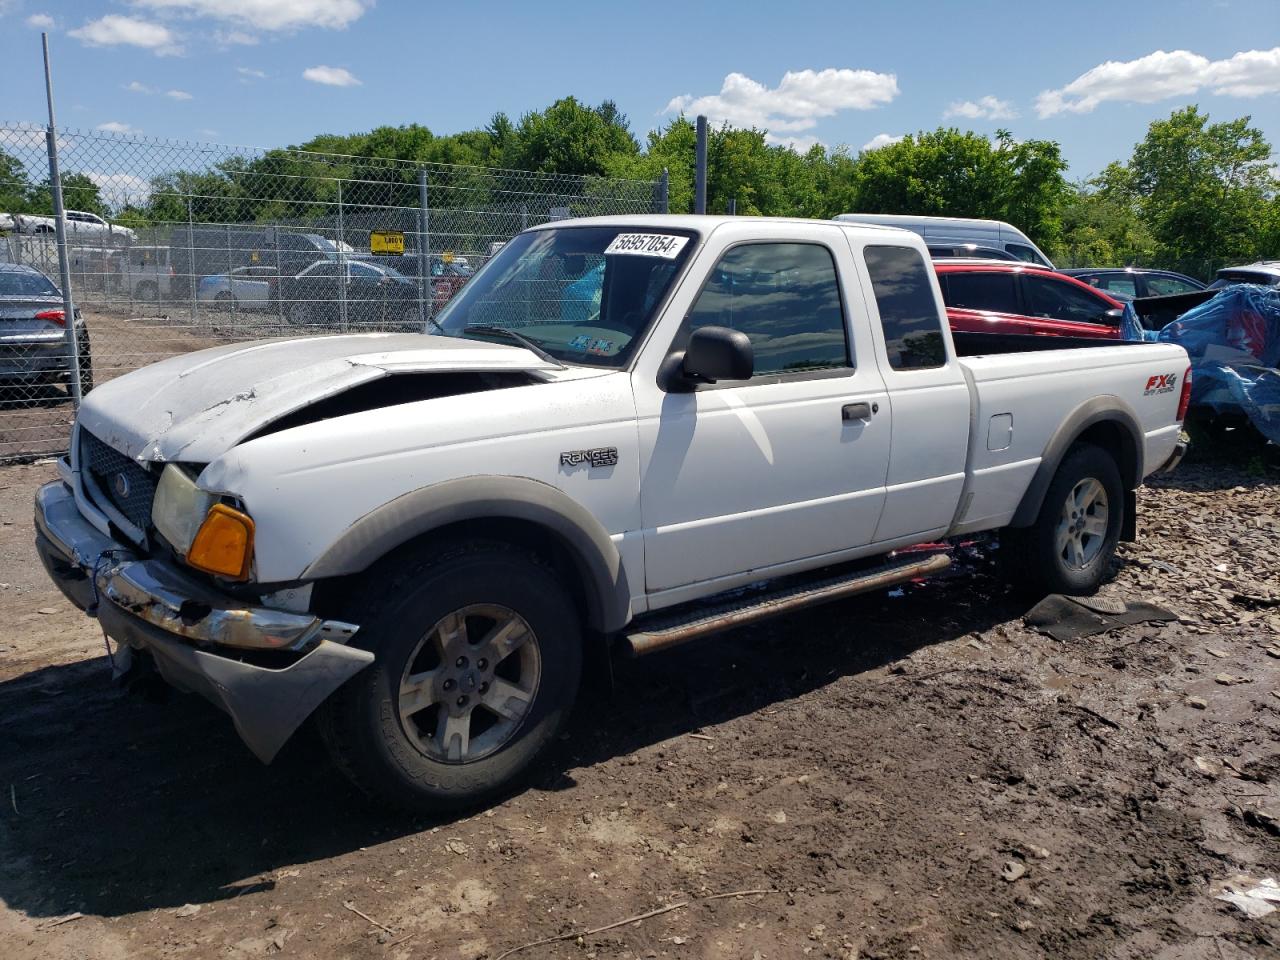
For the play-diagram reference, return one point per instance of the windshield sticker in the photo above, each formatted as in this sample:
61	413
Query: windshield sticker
602	348
665	245
580	342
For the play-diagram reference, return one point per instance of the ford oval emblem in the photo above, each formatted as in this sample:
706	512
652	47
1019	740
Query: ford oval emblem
121	484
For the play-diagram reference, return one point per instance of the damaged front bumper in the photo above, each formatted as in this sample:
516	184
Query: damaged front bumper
201	641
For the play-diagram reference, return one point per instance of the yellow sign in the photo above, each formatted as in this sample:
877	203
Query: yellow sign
254	258
386	241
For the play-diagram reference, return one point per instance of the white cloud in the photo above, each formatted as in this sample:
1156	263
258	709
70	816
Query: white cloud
881	140
118	189
135	86
235	38
251	73
800	144
988	108
268	14
797	103
115	126
1160	75
115	30
40	21
331	76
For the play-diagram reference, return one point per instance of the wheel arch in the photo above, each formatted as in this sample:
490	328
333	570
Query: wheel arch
520	510
1106	421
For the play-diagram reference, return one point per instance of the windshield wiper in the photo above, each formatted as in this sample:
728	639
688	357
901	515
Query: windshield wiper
531	345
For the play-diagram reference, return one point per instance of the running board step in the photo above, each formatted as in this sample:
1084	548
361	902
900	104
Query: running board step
663	632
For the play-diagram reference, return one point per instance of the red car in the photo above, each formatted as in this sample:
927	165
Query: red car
999	297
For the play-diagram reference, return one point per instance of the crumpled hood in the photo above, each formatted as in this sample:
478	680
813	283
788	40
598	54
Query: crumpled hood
196	406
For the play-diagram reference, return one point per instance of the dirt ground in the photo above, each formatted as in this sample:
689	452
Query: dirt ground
895	776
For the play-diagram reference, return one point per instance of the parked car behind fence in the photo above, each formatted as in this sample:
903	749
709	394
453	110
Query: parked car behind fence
33	341
244	288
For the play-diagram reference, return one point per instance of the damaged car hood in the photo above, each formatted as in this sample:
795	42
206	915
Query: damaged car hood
195	406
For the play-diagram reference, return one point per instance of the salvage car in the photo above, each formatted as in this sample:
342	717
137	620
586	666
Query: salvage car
420	538
81	226
1265	273
1131	283
997	297
33	332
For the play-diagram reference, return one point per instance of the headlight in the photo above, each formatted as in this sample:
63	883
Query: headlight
212	536
179	507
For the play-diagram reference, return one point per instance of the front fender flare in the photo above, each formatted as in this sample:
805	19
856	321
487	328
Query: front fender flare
420	511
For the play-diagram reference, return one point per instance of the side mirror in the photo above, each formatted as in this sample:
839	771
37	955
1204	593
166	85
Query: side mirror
1115	313
718	353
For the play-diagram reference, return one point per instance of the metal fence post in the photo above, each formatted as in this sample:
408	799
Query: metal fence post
231	282
732	208
275	242
60	226
700	171
191	252
664	191
425	290
342	268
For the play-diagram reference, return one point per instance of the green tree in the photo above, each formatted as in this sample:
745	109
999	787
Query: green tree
15	188
78	193
950	173
1204	189
569	137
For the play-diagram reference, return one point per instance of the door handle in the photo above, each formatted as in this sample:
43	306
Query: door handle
859	411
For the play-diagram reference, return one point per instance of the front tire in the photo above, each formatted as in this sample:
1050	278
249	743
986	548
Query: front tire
1069	547
478	657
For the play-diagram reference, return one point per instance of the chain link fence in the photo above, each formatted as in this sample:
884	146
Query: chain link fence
175	246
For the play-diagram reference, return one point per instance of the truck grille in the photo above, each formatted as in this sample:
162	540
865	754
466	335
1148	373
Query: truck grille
128	485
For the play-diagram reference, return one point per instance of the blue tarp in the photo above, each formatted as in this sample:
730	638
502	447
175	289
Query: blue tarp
1234	344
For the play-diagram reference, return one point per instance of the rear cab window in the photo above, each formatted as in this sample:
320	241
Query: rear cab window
909	313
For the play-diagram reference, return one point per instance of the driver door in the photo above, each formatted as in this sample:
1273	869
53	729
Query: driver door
744	478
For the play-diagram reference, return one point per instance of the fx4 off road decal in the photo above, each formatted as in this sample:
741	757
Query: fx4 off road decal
1160	383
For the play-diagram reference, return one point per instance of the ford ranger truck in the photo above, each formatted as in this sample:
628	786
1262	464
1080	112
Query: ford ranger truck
613	427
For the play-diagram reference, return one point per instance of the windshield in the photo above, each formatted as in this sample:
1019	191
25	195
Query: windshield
582	294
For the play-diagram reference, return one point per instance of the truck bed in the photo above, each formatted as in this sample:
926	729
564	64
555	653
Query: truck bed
1025	385
987	344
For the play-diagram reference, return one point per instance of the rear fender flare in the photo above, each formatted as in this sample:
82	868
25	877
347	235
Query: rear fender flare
1103	409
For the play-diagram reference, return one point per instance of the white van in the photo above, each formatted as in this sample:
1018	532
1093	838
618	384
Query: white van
987	233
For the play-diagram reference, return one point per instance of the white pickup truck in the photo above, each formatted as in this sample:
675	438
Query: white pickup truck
616	424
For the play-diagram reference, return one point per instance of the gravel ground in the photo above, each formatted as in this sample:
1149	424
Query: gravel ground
899	776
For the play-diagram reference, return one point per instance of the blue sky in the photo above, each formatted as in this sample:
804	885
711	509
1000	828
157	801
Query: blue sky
274	72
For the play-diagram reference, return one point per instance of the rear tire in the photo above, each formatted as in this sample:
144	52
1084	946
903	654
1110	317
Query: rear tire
1069	547
478	658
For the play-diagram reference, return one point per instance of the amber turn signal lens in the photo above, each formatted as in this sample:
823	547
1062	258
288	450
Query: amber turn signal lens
223	544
